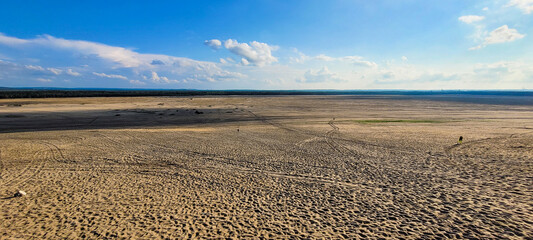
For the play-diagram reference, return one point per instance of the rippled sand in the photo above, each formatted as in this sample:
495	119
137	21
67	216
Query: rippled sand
264	167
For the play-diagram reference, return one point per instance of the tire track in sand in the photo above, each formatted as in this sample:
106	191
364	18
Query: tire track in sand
30	170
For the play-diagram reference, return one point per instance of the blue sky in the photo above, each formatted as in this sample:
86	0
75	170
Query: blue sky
388	44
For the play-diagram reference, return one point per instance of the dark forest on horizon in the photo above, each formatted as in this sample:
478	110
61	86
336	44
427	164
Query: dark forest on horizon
7	93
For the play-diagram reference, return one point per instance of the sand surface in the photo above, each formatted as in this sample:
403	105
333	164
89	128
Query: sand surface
264	167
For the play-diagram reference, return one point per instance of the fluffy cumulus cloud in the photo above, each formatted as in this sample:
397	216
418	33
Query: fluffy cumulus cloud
502	34
525	5
213	43
256	53
154	77
84	60
471	18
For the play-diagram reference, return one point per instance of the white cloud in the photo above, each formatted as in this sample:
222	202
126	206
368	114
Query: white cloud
72	73
301	57
507	71
502	34
322	75
319	72
137	82
405	59
110	75
99	58
44	80
122	56
323	57
496	75
525	5
355	60
55	71
485	8
471	18
155	77
161	79
256	53
492	68
11	41
34	67
213	43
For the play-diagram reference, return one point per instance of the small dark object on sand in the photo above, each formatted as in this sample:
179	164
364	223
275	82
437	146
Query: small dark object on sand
20	193
460	140
197	112
117	115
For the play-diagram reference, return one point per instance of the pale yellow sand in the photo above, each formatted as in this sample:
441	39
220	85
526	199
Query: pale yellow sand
151	168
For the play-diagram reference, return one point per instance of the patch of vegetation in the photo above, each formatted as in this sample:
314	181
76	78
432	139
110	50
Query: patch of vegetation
369	121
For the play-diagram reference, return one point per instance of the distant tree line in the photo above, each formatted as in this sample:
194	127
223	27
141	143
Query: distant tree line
61	93
131	93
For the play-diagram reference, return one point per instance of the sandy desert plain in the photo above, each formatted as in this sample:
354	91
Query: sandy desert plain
258	167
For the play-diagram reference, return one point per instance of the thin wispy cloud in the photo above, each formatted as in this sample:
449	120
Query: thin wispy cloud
110	75
471	18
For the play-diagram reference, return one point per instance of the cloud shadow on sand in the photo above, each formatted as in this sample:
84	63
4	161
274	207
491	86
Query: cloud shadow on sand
123	118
